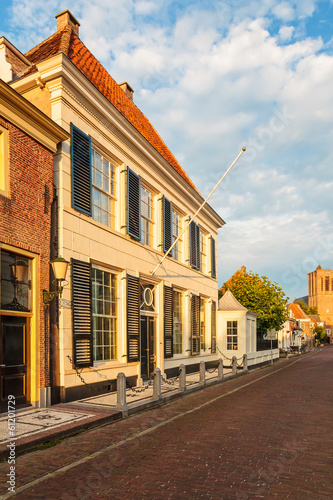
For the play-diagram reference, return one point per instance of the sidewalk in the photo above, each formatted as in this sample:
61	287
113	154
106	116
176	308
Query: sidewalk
35	427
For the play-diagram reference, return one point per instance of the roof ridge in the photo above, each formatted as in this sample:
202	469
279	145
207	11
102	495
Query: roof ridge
57	34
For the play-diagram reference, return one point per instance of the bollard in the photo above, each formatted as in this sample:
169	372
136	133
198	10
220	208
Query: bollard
182	378
234	365
202	372
157	393
245	362
121	393
220	375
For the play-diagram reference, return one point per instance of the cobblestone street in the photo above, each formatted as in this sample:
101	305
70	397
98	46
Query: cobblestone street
265	435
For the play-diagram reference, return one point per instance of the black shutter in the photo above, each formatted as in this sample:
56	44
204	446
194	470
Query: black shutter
213	328
133	318
168	322
81	170
195	245
167	225
81	296
195	324
133	204
213	256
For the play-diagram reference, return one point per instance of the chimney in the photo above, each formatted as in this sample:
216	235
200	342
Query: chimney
127	89
66	18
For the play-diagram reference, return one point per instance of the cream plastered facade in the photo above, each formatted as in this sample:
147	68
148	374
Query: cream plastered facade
63	92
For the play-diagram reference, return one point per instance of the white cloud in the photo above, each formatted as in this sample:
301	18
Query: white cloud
286	33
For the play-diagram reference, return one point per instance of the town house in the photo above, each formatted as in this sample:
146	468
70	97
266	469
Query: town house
121	199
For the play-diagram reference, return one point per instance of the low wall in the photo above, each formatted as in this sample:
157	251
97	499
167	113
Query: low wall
261	357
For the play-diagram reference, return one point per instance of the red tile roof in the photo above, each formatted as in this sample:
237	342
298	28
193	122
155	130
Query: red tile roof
297	311
67	42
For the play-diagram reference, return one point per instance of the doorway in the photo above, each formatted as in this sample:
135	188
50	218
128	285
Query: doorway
13	361
148	356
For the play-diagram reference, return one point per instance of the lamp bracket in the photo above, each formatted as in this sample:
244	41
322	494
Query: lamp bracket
48	296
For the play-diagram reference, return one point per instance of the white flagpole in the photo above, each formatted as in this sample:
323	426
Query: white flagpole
196	213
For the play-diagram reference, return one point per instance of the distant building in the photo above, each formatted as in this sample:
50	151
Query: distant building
305	322
321	296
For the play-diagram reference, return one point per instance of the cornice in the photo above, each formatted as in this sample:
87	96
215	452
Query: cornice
28	118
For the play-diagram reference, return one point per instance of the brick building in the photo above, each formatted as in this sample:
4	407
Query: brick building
321	296
28	140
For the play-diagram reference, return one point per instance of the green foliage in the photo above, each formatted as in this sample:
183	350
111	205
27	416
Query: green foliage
307	309
260	295
320	334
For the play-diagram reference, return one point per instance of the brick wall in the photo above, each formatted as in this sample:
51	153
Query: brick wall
23	221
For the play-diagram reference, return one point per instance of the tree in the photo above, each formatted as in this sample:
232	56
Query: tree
307	309
260	295
320	334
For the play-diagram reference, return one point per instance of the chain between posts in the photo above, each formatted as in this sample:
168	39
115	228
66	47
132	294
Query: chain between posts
229	359
97	389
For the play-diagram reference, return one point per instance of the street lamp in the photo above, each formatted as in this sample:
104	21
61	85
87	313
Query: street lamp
59	267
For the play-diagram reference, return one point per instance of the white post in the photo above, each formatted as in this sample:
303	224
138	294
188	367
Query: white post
202	373
182	378
157	385
220	369
245	362
121	393
234	365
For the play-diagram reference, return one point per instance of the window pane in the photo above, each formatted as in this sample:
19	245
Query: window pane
98	161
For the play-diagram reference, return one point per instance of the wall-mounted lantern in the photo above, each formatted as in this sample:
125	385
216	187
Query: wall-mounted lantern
59	267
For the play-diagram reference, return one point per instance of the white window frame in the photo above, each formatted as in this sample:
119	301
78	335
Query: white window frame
147	214
106	187
112	316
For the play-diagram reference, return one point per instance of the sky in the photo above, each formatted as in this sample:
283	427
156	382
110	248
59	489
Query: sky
212	77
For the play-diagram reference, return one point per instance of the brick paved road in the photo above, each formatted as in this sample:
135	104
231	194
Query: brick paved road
265	435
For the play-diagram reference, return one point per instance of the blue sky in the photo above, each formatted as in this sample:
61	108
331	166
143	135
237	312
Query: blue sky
213	76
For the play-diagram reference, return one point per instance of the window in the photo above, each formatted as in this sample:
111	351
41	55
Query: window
4	169
327	284
104	312
176	230
177	322
232	342
93	180
321	284
147	217
202	325
104	189
15	282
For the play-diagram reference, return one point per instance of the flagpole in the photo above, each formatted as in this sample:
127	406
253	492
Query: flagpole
196	213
